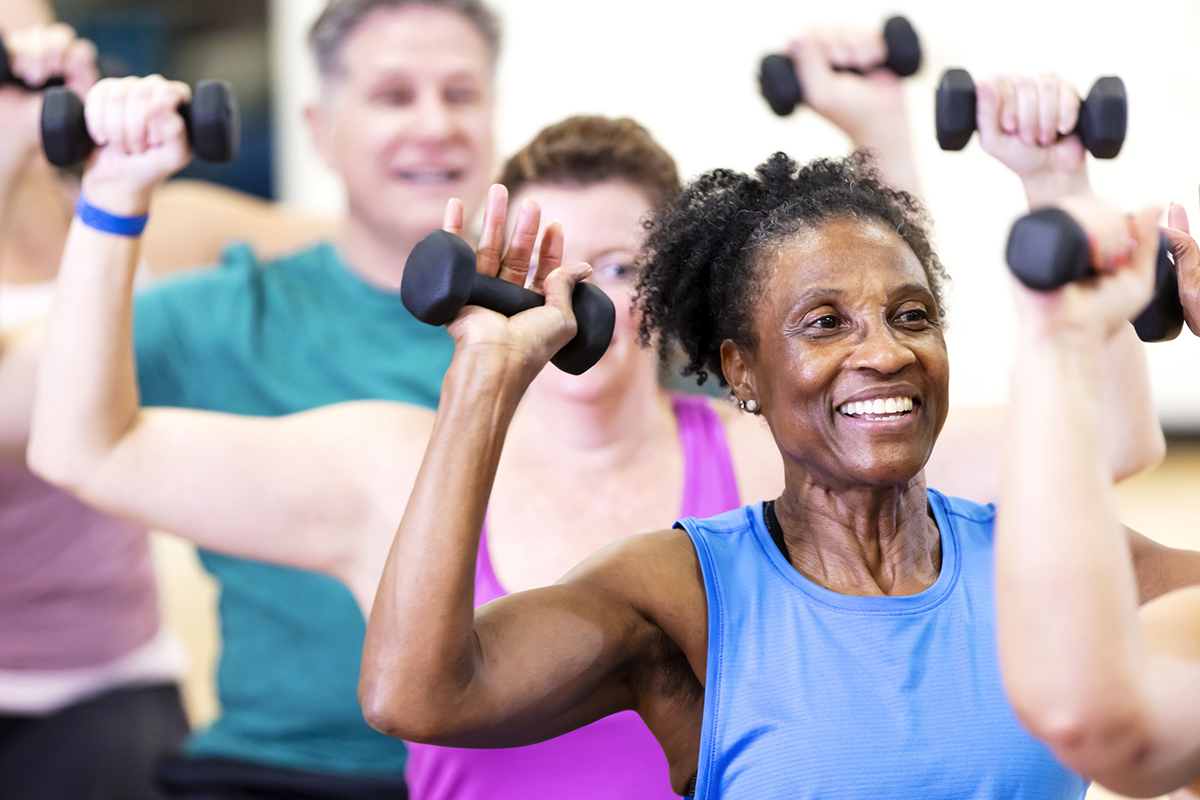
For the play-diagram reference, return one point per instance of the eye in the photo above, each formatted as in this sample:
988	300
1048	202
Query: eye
462	95
616	273
914	317
395	96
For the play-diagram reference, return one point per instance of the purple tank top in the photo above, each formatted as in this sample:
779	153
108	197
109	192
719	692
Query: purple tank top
76	586
615	757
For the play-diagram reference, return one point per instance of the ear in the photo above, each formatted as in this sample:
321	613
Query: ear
320	128
738	371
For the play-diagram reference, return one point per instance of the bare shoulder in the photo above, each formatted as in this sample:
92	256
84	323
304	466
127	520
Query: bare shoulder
756	460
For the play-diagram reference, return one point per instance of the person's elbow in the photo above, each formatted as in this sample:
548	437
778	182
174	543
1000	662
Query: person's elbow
53	459
393	711
1145	454
1109	741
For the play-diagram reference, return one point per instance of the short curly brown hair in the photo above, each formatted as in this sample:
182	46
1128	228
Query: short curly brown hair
584	150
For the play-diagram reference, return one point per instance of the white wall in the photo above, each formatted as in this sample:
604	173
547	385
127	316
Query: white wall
686	70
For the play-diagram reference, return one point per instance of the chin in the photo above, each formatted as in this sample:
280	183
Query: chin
613	374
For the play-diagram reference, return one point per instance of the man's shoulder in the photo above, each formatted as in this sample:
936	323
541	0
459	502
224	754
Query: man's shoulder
237	284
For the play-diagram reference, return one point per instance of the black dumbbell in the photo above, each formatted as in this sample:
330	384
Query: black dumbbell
780	84
1048	249
213	125
440	278
1102	115
7	77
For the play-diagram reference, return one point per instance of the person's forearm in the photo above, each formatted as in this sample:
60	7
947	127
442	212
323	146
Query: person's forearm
1069	639
87	394
419	659
1133	432
1046	188
891	141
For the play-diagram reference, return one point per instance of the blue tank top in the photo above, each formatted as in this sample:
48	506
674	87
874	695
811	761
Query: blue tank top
814	694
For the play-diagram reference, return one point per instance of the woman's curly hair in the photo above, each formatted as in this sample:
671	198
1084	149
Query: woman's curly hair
701	262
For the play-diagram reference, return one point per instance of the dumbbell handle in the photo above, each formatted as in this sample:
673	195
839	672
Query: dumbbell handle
434	290
1048	249
1101	124
780	84
212	119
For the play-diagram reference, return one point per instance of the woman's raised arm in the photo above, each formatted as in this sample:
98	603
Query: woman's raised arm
531	665
1112	696
299	491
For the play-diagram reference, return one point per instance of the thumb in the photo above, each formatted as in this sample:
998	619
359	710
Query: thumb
561	282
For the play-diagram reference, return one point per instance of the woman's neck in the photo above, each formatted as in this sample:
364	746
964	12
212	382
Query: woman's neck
599	433
868	541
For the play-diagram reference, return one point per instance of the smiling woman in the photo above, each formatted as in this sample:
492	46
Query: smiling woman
840	638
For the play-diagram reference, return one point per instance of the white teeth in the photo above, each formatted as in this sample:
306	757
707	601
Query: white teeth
892	407
428	176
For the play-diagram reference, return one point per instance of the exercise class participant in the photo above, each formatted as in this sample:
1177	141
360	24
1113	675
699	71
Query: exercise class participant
839	638
404	115
88	696
323	490
1113	690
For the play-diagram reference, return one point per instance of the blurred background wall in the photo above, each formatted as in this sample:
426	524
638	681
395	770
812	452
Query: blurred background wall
191	40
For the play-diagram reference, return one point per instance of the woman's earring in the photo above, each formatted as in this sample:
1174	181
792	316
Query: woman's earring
750	405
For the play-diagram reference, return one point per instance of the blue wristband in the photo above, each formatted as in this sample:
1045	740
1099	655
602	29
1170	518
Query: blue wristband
105	222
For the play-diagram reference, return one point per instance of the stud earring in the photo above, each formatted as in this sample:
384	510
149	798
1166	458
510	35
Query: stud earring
750	405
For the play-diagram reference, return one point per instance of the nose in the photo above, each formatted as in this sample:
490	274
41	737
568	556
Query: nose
436	120
879	350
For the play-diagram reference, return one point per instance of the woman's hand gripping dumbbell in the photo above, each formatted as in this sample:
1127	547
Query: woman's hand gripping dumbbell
210	114
30	60
1100	123
1048	249
443	275
899	50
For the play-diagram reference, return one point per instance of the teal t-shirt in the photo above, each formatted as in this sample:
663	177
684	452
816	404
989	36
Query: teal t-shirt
265	340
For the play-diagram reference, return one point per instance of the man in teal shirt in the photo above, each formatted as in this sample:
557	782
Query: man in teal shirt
405	117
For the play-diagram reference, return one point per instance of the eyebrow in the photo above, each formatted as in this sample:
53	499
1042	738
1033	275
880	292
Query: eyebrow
826	292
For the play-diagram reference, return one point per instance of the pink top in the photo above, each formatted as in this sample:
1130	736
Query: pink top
615	757
76	586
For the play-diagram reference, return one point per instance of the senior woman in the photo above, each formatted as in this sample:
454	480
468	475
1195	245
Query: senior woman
836	641
603	453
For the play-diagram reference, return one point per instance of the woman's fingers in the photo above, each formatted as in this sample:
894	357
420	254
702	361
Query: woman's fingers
491	239
515	266
452	220
550	255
